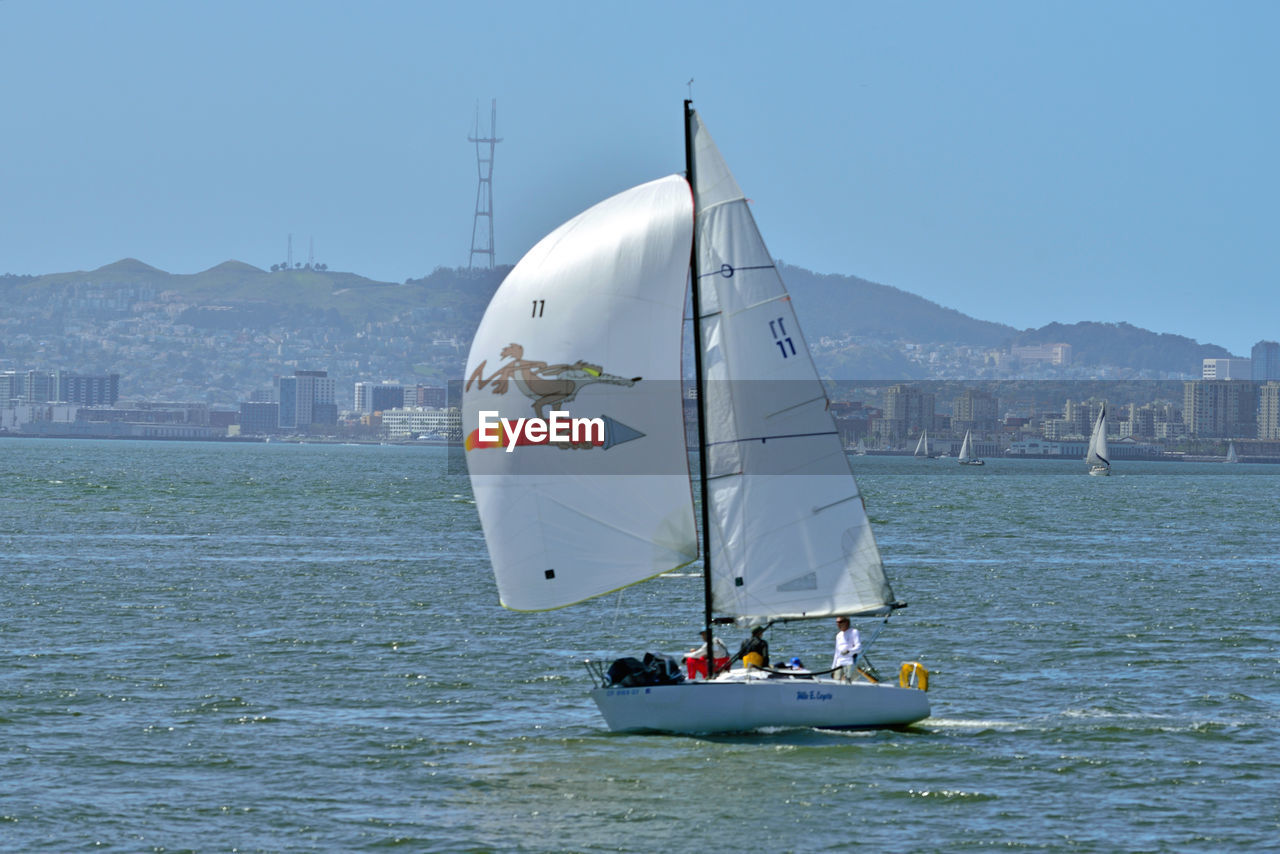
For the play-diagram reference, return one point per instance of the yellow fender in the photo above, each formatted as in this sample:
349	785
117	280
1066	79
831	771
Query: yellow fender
914	675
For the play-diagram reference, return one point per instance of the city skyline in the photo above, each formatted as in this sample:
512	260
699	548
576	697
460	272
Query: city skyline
1022	164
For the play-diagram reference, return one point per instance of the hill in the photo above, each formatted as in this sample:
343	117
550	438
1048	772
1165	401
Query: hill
1125	344
857	326
457	296
847	305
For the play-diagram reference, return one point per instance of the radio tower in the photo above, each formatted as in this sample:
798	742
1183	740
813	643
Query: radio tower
484	191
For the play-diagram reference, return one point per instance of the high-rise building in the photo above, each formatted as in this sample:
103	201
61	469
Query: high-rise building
1269	410
37	387
86	390
258	418
907	411
425	395
1266	361
976	410
1220	408
10	387
287	402
1226	369
306	398
1079	417
379	397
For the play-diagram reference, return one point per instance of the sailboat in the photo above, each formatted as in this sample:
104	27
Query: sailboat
967	457
1231	453
861	449
1098	456
593	316
922	447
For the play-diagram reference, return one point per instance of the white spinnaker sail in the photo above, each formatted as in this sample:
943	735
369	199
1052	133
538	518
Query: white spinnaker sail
1098	454
789	534
592	307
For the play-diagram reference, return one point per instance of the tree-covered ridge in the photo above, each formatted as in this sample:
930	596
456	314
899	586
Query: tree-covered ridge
857	328
1094	343
848	305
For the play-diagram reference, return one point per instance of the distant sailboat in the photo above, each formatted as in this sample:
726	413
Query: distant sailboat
1231	453
861	449
922	447
1098	457
967	457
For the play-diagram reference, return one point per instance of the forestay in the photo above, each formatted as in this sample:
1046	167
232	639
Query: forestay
588	322
789	535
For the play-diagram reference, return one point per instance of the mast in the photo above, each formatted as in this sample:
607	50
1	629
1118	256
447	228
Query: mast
699	390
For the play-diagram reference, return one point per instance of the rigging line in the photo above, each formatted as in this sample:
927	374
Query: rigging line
727	271
767	438
834	503
822	397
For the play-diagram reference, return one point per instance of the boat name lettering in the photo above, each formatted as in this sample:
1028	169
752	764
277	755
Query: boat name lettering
559	429
813	695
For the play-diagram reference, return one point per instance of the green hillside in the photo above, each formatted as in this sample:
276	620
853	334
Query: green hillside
866	320
456	296
847	305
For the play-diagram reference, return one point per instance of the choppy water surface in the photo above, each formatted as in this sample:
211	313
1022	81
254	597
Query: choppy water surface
272	648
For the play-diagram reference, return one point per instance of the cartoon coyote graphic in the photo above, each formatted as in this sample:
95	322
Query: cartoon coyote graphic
548	386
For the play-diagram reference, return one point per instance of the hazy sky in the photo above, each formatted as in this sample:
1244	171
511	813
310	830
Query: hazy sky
1022	162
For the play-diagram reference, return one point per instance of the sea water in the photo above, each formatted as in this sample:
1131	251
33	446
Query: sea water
278	647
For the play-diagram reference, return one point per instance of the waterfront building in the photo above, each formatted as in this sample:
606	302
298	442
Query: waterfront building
86	389
37	387
425	395
10	388
258	418
975	410
1220	408
907	411
1266	361
1080	416
1226	369
287	402
430	422
306	398
1269	411
378	397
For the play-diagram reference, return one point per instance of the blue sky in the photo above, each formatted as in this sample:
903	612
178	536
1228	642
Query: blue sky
1021	162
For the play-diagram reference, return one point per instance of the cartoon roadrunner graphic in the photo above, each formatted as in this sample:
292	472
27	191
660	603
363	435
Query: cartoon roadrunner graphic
550	387
547	385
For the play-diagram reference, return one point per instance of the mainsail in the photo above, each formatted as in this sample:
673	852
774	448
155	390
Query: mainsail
966	452
590	322
1098	454
789	534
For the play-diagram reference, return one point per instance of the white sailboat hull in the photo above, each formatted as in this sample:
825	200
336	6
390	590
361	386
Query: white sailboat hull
1100	471
742	706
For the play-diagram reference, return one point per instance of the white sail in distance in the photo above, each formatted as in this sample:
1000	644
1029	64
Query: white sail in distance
1098	454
